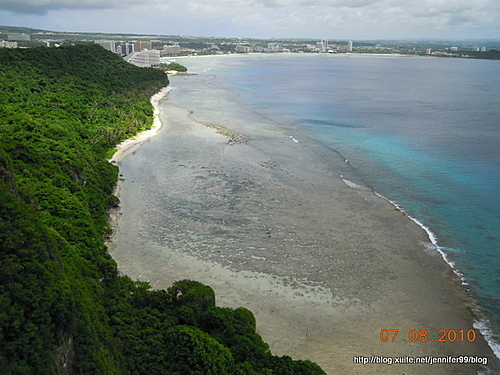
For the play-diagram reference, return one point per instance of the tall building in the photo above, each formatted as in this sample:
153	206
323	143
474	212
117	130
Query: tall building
141	45
145	58
323	45
110	45
125	49
349	46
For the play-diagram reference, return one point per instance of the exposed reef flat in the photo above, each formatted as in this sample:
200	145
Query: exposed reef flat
324	266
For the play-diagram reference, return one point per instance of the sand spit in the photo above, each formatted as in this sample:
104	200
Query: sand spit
323	265
234	138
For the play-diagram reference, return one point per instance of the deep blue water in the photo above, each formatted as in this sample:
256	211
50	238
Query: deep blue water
423	132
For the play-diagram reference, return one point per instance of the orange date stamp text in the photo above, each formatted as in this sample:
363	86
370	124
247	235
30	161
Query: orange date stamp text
424	335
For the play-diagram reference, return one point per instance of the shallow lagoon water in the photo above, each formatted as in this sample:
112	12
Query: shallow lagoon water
289	218
423	132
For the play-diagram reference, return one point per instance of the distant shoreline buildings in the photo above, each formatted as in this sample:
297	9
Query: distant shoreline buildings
139	49
148	53
138	53
142	53
12	40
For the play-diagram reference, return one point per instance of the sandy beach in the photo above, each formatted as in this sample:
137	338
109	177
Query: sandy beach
132	143
324	264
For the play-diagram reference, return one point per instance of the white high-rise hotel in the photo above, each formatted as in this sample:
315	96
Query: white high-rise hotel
322	46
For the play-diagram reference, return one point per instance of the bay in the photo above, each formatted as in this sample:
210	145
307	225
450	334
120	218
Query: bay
422	132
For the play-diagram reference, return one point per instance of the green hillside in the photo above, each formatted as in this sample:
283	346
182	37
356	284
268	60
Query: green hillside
64	308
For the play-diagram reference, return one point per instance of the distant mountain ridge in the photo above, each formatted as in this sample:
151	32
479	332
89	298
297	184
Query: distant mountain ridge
20	30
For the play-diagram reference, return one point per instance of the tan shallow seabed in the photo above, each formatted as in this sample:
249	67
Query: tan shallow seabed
323	266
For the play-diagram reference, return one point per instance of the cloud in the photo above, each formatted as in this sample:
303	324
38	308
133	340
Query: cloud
43	6
270	18
423	7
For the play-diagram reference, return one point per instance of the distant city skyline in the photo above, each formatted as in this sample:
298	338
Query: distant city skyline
332	19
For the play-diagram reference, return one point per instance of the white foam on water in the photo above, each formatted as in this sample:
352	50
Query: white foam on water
352	184
482	325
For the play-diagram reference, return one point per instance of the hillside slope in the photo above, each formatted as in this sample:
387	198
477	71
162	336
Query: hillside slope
64	308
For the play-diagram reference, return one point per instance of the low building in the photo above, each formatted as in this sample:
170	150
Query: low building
6	44
274	47
242	48
19	37
171	50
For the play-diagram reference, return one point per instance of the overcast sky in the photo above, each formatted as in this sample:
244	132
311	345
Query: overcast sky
333	19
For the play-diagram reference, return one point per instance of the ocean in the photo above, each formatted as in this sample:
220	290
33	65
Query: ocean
421	132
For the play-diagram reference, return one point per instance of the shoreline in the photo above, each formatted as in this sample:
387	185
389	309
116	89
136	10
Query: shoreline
128	145
305	308
124	148
480	322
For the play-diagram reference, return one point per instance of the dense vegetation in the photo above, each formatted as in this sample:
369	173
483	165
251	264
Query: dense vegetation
64	308
174	66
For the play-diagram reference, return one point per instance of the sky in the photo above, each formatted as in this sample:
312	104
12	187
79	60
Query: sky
333	19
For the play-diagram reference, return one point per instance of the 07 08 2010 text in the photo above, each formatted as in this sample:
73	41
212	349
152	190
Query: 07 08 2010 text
424	335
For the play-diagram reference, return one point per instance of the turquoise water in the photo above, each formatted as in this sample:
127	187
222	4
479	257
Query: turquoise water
422	132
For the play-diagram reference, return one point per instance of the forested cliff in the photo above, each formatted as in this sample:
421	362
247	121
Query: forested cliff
64	308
